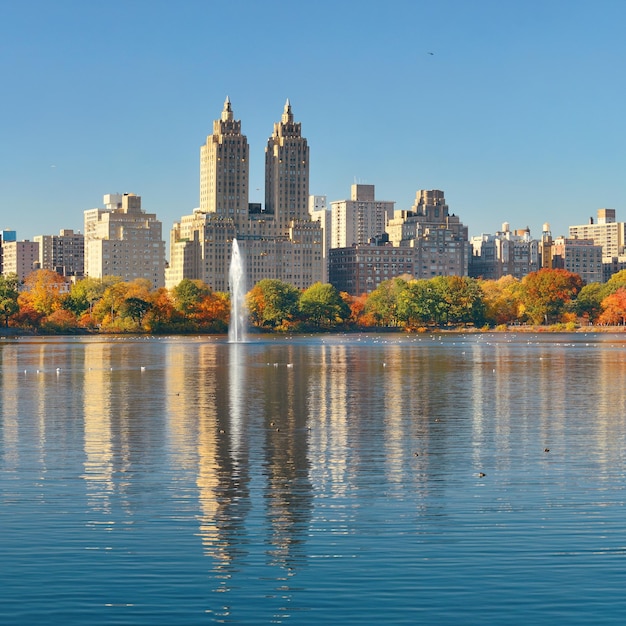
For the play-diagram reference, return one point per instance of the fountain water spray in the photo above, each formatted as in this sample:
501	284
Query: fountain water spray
236	283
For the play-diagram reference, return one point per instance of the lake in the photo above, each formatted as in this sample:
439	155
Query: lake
344	479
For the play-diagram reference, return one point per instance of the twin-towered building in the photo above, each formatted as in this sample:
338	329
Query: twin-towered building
278	240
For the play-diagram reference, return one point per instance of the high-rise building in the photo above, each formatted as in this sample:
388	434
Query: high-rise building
357	220
606	232
123	240
224	172
63	253
276	241
287	173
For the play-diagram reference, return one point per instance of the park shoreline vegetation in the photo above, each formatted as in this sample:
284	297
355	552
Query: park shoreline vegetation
549	300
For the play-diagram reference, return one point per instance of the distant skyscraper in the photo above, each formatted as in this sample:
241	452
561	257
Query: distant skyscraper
224	171
287	173
123	240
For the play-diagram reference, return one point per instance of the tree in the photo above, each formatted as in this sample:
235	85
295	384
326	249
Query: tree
382	303
44	291
188	294
461	299
588	303
135	308
272	303
614	308
545	293
9	292
84	294
213	312
501	298
323	306
419	303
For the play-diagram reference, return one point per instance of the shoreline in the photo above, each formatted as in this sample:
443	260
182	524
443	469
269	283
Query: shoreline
556	328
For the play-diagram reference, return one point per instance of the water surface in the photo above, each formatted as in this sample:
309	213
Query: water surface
328	479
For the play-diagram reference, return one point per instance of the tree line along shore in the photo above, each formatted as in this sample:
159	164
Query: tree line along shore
547	299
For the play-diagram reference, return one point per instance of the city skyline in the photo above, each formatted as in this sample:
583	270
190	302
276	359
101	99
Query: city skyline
513	111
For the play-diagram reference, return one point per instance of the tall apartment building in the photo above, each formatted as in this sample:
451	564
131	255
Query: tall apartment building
123	240
357	220
609	234
278	240
505	253
19	257
63	253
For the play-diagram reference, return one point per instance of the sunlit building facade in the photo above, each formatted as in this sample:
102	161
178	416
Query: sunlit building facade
123	240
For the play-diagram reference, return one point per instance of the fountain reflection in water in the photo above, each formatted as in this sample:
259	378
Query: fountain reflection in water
236	282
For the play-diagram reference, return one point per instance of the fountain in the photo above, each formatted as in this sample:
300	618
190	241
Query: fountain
237	285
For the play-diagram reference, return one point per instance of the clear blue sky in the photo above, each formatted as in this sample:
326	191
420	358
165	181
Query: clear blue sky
518	115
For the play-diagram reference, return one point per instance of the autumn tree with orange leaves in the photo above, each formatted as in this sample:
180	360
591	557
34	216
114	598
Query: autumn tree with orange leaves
544	294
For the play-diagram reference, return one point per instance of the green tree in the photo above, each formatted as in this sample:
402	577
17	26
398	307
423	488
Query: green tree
462	299
272	303
382	303
420	303
86	292
135	308
323	306
588	303
9	292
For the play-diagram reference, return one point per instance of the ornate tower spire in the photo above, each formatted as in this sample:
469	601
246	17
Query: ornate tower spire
227	113
287	116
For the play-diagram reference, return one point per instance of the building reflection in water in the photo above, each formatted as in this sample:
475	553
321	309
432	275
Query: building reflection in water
98	436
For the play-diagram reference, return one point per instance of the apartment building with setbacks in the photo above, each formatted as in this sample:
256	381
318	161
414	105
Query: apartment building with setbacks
123	240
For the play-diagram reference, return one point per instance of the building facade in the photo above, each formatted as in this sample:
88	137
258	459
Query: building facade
505	253
63	253
19	257
581	256
608	233
357	220
422	243
319	212
123	240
